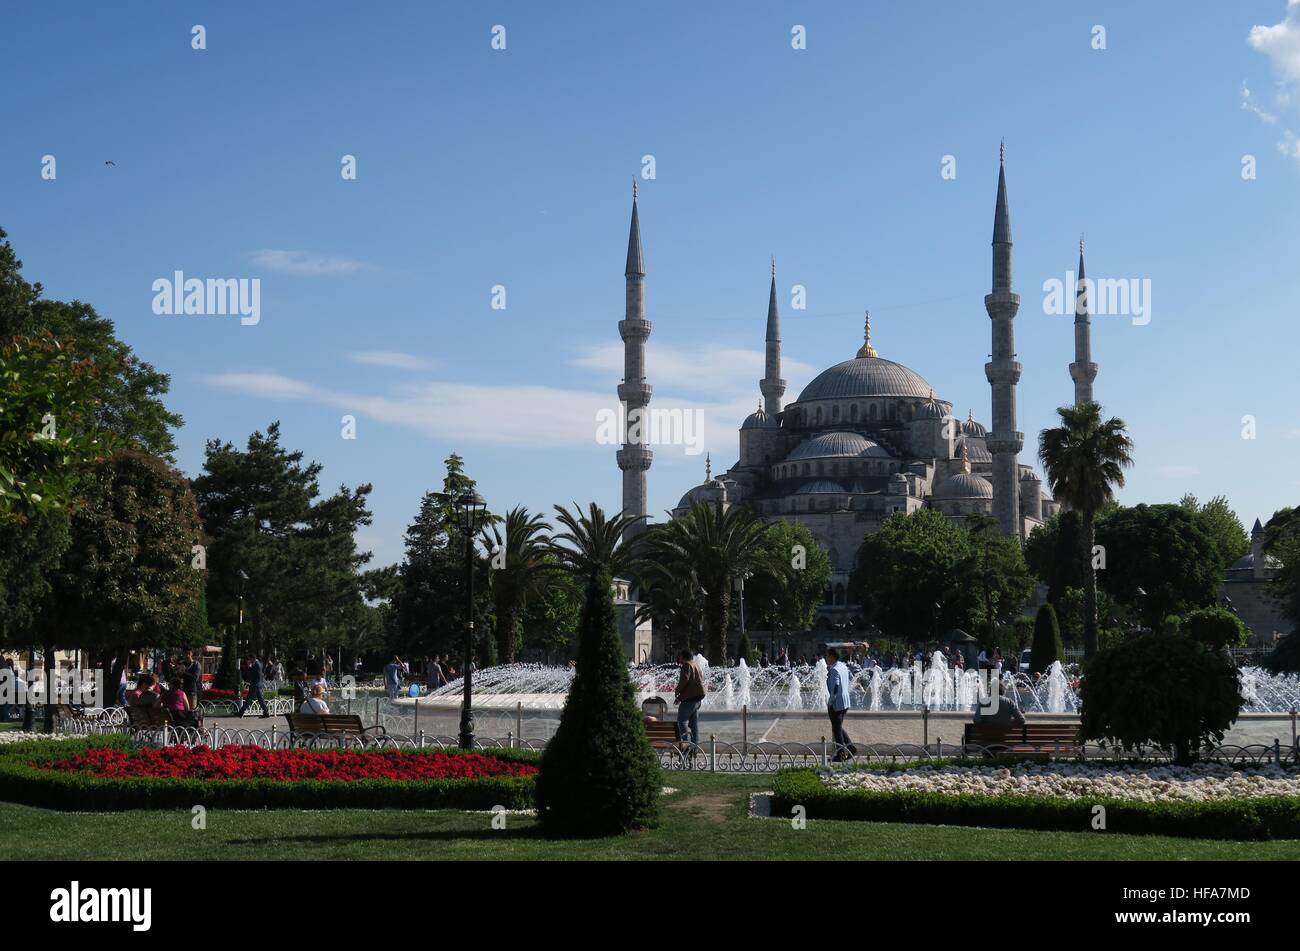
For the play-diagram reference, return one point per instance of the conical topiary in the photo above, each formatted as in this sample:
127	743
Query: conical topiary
599	775
1047	647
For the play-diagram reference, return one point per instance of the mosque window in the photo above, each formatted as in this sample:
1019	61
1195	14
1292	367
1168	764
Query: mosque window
871	412
835	413
818	417
853	413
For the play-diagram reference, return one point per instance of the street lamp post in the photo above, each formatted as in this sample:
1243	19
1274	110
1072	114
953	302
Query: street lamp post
239	626
469	507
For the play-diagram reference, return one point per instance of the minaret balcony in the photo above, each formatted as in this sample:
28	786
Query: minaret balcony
1003	371
1002	304
1083	372
634	457
634	394
997	443
634	329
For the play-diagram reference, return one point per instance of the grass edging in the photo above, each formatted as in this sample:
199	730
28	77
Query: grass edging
1273	817
30	785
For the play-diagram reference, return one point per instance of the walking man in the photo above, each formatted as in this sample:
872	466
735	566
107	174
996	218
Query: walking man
689	695
837	686
191	678
254	688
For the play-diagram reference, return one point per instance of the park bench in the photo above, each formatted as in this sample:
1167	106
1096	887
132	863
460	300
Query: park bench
663	733
340	725
1039	737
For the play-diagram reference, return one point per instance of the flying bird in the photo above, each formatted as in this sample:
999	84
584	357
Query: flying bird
114	164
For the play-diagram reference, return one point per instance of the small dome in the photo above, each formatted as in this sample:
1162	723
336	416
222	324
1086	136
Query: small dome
819	487
760	420
931	410
971	428
712	491
1029	475
964	485
838	445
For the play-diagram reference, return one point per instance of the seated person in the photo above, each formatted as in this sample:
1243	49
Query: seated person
174	697
1006	713
316	702
145	693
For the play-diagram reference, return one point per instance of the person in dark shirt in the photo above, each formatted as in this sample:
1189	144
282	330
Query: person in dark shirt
254	689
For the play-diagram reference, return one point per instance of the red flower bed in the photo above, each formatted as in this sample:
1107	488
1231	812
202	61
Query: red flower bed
255	762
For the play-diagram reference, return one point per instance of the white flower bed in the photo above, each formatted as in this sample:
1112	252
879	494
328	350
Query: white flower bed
1203	782
18	736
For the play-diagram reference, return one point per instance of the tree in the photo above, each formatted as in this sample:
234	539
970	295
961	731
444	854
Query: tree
1051	552
1111	618
1085	458
1167	552
995	574
1191	701
428	605
551	621
592	543
908	576
262	510
789	598
1285	657
745	650
523	567
599	775
29	551
708	549
227	675
127	392
1047	648
47	434
1282	542
1215	627
127	577
1224	527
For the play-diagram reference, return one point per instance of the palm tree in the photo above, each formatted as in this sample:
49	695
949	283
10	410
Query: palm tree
1085	458
522	568
594	543
705	551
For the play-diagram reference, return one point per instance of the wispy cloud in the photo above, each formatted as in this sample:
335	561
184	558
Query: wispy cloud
1280	42
305	263
715	370
389	358
1177	472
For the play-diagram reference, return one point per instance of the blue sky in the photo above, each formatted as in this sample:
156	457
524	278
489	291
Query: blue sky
478	167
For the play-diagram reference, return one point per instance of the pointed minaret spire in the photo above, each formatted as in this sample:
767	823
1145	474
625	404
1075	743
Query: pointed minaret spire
1002	371
772	386
708	468
1082	371
635	457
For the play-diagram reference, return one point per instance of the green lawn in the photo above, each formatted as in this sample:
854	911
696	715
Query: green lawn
706	819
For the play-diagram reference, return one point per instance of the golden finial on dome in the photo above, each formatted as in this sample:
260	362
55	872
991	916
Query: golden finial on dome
867	350
965	457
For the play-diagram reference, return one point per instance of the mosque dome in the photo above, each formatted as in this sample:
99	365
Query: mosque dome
964	485
760	420
838	445
866	376
971	428
819	487
931	410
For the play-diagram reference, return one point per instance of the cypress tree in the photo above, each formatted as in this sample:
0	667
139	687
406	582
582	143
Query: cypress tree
1047	647
599	775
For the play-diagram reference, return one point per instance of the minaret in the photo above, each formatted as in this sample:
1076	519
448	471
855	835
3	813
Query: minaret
1002	371
1082	371
772	386
634	458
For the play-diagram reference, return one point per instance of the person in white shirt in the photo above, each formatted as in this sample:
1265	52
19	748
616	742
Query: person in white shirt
316	702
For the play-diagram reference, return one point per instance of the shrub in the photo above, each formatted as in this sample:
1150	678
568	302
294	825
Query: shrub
599	775
1262	818
227	677
1285	657
1159	689
1047	647
745	650
22	782
1216	628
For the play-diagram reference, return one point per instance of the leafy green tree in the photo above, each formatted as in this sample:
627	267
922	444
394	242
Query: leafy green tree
709	549
127	391
1052	554
551	621
427	612
127	578
1085	458
1047	648
746	650
262	511
599	775
995	574
909	575
1285	657
47	435
227	675
1112	620
1163	690
1282	542
1224	527
1215	627
523	566
1164	550
29	551
789	598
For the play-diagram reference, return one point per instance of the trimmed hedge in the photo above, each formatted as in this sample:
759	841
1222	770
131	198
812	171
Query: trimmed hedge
1265	818
33	786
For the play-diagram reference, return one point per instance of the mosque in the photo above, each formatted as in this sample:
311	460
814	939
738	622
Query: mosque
867	437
